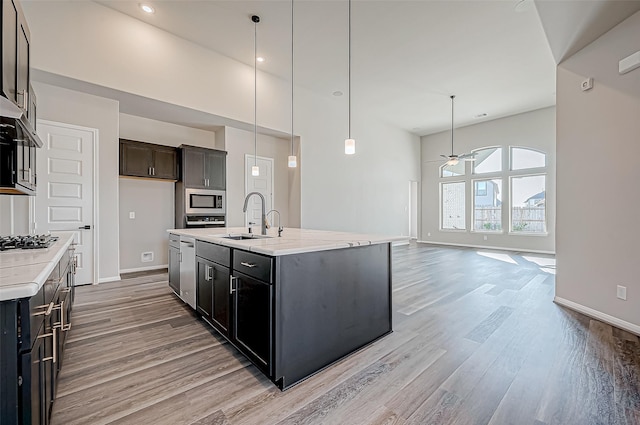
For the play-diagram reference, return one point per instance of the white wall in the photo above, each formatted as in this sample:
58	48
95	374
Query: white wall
366	192
237	144
598	195
534	129
14	215
71	107
152	201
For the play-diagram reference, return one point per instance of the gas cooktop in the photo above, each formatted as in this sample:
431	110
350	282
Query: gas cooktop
26	242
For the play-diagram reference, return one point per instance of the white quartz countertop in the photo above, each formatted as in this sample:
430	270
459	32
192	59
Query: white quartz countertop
24	271
293	241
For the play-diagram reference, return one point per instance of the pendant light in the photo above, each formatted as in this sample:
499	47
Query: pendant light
255	170
292	161
349	143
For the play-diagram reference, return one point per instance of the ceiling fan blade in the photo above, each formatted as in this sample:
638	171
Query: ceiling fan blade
445	156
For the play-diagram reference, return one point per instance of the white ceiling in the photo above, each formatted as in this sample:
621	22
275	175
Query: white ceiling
407	56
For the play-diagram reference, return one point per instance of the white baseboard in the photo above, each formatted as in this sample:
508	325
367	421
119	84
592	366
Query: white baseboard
144	269
499	248
109	279
603	317
400	243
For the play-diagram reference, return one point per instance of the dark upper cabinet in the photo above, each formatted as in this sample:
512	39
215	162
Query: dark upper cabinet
16	46
203	168
17	160
140	159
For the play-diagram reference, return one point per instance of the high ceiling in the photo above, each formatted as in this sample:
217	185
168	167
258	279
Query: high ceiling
497	57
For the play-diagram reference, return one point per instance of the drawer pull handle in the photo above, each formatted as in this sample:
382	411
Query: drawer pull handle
54	346
231	288
250	265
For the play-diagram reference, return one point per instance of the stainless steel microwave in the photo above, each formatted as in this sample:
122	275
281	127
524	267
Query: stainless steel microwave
204	201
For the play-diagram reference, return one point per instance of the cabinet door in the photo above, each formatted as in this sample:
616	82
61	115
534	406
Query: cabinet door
252	319
193	168
221	299
135	159
174	269
204	282
215	172
22	79
164	163
9	49
34	404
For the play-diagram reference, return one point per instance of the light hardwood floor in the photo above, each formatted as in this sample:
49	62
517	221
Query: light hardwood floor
477	340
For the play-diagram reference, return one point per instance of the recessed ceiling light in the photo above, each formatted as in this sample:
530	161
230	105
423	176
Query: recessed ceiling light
146	8
337	93
260	59
482	115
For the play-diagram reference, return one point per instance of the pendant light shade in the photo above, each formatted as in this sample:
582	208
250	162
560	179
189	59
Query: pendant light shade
255	170
349	143
292	161
349	146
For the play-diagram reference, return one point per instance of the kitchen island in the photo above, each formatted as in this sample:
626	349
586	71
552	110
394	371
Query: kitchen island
293	304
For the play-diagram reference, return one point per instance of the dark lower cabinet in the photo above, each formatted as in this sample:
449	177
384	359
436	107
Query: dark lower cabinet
252	325
213	296
174	263
32	336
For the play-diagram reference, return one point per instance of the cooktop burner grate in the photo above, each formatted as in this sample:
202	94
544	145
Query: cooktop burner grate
26	242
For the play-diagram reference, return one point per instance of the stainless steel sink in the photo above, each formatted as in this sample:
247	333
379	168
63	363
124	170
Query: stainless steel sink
245	236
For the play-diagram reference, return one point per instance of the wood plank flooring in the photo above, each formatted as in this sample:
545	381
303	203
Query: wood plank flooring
477	340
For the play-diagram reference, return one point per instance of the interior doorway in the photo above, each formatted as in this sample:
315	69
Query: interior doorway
262	184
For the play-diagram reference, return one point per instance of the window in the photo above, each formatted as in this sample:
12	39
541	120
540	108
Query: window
523	158
487	205
528	204
488	160
452	170
453	206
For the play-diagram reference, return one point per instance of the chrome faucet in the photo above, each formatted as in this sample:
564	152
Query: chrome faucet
263	219
279	224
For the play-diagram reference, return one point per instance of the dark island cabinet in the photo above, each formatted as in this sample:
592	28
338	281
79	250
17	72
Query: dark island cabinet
213	299
141	159
203	168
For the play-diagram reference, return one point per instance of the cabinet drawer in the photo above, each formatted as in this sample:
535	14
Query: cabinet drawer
254	265
174	240
212	252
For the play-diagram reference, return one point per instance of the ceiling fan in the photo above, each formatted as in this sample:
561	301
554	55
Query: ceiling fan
453	159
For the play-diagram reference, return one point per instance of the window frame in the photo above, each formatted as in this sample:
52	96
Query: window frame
519	176
441	204
526	170
489	173
473	205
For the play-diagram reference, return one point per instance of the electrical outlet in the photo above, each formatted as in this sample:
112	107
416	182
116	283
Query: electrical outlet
132	215
622	292
146	257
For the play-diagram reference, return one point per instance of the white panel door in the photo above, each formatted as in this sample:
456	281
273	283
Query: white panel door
64	199
262	184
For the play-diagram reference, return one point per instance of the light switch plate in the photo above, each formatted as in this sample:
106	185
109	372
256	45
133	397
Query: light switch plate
622	292
132	215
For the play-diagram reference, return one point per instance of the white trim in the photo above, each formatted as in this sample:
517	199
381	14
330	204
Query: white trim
109	279
400	243
500	248
603	317
144	269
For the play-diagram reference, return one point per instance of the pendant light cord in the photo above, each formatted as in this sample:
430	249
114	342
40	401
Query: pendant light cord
291	77
349	70
255	20
452	97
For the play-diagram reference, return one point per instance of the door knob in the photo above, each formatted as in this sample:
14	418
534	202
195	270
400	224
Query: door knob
86	227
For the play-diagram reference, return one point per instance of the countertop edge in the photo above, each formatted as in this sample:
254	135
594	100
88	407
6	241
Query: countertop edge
30	288
318	242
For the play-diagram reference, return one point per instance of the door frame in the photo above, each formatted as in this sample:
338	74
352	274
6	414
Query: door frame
96	176
246	172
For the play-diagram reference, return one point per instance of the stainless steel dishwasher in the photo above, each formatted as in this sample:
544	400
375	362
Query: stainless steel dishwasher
188	270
